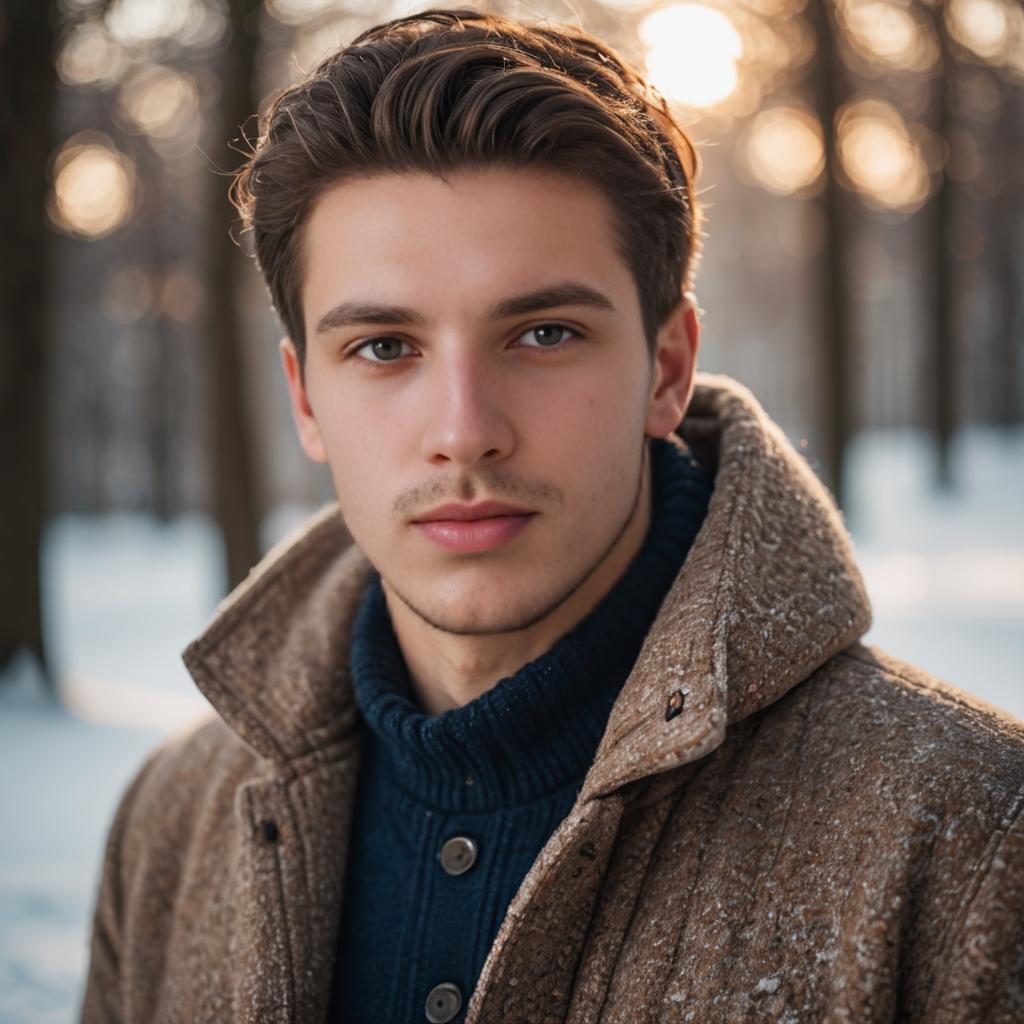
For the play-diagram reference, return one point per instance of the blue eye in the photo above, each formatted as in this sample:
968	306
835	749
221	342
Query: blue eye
552	335
384	350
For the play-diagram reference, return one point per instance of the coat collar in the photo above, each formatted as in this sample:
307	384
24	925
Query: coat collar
768	592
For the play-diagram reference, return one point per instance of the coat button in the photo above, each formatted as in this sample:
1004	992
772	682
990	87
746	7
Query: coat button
458	855
444	1001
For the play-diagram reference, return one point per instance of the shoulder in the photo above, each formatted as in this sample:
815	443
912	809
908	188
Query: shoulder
927	717
943	773
189	779
916	751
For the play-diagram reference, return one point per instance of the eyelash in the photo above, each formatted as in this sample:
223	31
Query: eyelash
355	349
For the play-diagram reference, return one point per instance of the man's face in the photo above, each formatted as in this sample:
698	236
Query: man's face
471	342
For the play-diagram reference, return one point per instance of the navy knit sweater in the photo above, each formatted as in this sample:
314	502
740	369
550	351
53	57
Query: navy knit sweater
502	771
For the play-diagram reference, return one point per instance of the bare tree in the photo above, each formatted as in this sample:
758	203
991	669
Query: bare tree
27	88
1008	240
833	289
942	362
235	490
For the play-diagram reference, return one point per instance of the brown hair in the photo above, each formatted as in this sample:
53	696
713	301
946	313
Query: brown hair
448	90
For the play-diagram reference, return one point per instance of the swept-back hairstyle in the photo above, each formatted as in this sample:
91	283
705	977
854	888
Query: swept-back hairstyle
449	90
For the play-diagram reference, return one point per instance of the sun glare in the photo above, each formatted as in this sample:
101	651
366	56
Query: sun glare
692	52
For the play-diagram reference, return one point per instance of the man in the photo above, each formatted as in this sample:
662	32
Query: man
580	727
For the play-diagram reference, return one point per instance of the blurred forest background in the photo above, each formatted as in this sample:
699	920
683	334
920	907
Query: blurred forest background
863	179
864	166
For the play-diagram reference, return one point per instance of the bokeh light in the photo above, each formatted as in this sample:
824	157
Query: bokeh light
188	22
127	294
299	12
881	159
985	27
88	56
160	101
181	294
93	188
691	52
889	34
774	45
784	150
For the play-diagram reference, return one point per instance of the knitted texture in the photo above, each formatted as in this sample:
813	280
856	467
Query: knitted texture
503	770
780	822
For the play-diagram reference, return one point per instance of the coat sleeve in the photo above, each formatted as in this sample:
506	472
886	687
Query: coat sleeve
980	977
102	1000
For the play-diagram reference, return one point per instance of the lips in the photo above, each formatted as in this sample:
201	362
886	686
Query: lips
470	513
472	529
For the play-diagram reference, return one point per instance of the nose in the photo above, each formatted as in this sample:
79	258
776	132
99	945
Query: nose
466	421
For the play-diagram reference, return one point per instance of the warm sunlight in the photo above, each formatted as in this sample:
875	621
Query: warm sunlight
691	52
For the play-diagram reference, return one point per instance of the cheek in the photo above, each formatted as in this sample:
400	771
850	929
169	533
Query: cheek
360	443
603	412
590	436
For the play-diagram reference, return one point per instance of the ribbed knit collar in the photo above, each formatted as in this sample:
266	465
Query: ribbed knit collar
534	732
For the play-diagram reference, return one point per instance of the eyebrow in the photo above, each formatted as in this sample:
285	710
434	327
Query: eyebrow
565	293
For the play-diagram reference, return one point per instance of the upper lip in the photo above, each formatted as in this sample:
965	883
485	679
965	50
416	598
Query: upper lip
467	513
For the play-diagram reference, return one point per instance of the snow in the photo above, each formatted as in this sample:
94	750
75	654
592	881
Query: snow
945	574
62	779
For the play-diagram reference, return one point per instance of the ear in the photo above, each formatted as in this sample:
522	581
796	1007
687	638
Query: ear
305	422
675	361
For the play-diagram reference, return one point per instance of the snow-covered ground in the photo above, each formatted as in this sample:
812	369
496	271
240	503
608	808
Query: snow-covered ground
945	573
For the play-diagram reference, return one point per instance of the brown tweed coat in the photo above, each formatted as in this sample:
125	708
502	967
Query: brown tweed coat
821	833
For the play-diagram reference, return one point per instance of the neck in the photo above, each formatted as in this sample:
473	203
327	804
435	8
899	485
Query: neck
449	670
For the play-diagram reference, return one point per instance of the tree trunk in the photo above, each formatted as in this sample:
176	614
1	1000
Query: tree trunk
834	309
942	358
1007	233
27	90
235	492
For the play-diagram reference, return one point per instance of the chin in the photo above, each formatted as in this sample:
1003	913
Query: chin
471	614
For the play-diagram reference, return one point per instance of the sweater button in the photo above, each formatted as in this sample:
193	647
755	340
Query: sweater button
458	855
443	1003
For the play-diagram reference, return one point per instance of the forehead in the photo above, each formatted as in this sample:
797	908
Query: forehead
470	238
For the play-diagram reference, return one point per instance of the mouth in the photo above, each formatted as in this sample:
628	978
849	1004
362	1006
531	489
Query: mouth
455	513
471	529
